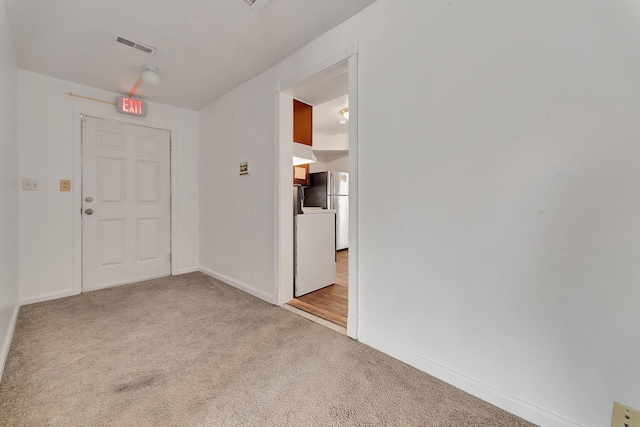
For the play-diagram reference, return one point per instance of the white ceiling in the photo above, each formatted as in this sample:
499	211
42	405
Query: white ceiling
326	117
205	48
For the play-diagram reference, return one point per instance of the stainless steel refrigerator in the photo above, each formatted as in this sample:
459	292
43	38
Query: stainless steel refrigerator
330	190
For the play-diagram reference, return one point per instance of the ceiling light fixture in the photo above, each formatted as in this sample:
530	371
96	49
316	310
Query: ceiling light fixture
149	76
345	113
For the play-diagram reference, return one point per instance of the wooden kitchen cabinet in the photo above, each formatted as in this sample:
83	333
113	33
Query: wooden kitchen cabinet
303	134
302	123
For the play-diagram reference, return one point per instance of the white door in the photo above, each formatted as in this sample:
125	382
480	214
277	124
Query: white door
126	208
315	250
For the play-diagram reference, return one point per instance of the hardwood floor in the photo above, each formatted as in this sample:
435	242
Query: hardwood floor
330	303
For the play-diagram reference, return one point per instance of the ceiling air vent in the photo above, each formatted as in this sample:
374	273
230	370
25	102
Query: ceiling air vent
136	45
256	5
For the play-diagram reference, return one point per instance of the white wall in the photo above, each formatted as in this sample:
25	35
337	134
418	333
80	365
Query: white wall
331	142
8	187
236	212
505	257
337	162
48	258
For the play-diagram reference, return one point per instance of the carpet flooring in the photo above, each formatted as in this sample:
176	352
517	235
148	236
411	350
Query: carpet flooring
192	351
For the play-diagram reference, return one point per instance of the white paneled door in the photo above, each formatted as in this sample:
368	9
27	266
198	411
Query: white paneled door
126	211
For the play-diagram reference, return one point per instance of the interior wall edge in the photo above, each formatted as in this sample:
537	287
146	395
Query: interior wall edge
186	270
265	296
509	403
4	353
48	297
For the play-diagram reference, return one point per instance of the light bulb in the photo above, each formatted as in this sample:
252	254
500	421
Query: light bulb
150	75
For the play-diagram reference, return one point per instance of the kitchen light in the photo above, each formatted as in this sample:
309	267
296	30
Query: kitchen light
345	113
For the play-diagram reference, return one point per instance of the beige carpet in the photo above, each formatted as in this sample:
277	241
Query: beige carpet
191	351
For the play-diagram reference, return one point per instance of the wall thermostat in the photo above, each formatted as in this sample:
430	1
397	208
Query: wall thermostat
244	168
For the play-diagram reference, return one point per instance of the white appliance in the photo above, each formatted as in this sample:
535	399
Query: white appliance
315	250
330	190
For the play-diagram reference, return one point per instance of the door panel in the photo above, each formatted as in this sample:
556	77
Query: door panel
110	187
148	182
126	183
147	145
149	238
111	242
110	140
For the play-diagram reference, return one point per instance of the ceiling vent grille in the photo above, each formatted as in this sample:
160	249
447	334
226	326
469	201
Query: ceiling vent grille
136	45
256	5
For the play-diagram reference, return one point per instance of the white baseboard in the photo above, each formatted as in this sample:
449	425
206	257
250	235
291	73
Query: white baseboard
186	271
267	296
48	297
476	388
4	352
127	282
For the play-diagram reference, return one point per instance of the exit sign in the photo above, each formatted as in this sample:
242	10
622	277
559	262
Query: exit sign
134	107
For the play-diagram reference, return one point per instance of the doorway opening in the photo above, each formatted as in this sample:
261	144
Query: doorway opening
318	258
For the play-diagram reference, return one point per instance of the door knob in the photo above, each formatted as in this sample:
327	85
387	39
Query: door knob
89	211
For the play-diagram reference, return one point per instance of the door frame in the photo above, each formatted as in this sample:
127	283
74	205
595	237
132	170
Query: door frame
77	187
283	226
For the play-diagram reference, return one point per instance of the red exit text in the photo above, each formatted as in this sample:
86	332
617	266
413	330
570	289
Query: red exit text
134	107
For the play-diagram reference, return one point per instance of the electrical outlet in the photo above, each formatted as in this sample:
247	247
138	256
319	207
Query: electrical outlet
623	416
65	185
31	184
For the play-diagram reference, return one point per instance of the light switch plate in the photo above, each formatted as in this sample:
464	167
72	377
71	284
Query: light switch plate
623	416
65	185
